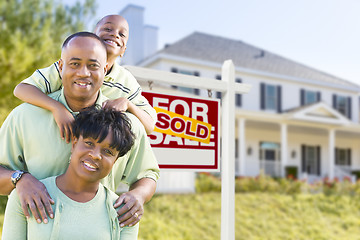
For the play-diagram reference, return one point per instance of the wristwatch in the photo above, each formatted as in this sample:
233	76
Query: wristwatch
15	177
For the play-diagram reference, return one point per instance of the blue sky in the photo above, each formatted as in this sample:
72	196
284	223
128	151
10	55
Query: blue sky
323	34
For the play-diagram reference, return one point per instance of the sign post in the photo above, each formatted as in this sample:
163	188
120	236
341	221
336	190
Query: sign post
178	119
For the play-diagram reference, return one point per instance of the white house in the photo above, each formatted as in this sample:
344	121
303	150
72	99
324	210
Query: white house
295	120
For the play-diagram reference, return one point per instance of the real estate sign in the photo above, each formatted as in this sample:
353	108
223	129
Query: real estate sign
186	135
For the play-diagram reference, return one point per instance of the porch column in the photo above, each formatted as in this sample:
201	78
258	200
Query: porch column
331	153
284	149
241	146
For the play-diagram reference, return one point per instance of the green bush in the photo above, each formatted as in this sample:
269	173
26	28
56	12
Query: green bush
207	182
3	201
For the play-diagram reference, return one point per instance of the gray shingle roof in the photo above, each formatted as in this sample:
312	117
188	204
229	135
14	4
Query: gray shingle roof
217	49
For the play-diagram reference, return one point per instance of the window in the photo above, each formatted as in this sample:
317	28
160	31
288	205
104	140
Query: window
195	91
308	97
342	104
270	97
343	157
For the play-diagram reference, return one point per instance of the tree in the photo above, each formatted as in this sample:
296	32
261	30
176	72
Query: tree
31	34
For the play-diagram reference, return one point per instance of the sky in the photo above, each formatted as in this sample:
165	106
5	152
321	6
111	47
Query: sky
322	34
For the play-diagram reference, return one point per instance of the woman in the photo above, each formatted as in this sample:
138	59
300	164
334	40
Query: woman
83	206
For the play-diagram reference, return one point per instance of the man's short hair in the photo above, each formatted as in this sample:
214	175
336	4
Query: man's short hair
83	34
96	122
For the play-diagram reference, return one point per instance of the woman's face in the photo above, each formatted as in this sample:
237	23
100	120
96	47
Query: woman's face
92	160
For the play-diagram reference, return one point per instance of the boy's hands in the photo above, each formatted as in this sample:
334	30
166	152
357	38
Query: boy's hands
120	104
64	120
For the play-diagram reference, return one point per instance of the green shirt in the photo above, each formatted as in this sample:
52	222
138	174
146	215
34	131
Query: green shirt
95	219
30	140
118	83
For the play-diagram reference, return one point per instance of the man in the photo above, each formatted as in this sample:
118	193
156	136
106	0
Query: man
30	140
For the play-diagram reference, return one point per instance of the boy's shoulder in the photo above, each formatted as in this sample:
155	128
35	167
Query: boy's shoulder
120	74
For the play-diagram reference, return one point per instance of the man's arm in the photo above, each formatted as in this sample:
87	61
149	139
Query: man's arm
139	193
6	186
32	194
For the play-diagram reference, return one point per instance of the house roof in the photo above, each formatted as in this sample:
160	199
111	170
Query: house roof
217	49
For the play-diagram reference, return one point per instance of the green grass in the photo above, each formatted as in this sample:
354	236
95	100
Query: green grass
258	216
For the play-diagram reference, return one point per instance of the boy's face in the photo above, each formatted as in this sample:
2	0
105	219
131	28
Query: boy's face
92	160
82	67
114	30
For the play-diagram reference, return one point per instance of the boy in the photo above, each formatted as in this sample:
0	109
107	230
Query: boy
119	85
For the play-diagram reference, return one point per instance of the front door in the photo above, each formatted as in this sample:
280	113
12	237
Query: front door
311	160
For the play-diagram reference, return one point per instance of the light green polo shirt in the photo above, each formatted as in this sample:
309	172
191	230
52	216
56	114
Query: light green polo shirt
30	140
118	83
93	220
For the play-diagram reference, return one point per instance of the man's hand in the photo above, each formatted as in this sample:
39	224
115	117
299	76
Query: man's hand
132	210
120	104
64	120
33	193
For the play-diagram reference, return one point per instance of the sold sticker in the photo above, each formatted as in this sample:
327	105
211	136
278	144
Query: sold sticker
182	126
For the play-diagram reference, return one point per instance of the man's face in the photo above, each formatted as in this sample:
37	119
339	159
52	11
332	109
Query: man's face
114	31
82	67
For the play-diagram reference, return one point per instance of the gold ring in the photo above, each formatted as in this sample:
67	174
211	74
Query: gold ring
136	215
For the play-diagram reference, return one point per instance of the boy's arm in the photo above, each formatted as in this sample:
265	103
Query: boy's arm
123	104
31	94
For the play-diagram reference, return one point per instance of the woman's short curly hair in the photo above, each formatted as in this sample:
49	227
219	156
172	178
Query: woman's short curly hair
97	122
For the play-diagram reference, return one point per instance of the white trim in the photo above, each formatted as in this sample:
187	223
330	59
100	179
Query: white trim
158	76
331	153
284	148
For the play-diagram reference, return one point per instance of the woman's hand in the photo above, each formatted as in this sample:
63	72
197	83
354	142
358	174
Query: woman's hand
33	194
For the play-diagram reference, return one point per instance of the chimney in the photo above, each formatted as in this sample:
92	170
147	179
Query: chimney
142	38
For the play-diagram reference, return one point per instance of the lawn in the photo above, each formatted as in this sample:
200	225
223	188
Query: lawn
258	216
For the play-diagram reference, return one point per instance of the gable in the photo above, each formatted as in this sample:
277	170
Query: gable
320	113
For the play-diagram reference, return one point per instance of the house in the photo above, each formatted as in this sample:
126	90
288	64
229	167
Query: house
295	120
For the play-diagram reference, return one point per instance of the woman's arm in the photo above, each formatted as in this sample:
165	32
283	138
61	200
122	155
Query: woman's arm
15	225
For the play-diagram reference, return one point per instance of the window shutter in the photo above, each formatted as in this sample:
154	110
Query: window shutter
238	97
336	156
262	96
334	101
174	70
318	160
318	96
349	156
218	94
302	97
196	90
349	108
279	101
303	166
